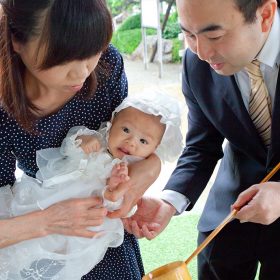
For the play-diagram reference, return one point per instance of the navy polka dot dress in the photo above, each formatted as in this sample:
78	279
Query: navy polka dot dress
123	262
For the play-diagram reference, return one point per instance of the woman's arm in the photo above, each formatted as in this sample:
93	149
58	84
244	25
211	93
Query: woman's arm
70	217
142	174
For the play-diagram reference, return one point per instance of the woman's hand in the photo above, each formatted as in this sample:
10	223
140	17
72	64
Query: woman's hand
142	174
259	203
70	217
74	216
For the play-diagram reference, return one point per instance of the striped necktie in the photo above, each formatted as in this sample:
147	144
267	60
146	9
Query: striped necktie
259	102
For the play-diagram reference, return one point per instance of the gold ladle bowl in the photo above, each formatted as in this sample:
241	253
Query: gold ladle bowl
171	271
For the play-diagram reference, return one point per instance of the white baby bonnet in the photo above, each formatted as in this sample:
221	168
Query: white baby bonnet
160	104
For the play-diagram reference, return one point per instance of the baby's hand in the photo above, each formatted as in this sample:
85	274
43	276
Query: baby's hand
119	175
89	143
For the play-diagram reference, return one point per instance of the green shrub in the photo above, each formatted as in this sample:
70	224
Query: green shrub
177	45
128	36
127	41
172	29
173	17
133	22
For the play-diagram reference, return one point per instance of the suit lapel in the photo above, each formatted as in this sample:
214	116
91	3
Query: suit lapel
274	151
232	96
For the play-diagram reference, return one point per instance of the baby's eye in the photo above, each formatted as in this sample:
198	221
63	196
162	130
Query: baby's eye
125	129
143	141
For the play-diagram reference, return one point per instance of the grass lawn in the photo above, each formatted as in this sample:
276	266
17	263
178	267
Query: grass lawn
175	243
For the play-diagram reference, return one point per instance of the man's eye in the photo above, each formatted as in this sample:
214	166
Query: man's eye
215	38
189	35
143	141
125	129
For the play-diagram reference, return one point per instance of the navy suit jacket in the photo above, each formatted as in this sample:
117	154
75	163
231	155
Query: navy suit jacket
217	112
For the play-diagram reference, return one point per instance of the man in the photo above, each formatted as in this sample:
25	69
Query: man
225	39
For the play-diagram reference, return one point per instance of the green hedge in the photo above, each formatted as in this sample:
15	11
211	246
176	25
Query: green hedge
177	45
171	30
127	41
128	36
133	22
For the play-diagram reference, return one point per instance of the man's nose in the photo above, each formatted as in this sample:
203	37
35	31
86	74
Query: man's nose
204	49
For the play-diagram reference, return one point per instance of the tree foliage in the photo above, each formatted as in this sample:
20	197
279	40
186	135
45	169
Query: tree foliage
119	6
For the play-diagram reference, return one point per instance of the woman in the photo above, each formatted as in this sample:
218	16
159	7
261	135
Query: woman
57	71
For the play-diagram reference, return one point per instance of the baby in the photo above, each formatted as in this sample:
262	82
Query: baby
133	133
88	163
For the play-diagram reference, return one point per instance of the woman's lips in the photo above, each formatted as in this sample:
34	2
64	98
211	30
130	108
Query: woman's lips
77	87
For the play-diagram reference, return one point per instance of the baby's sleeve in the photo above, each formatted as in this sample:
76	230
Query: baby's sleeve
71	142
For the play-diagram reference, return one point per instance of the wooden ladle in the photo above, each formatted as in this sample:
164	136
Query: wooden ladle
178	270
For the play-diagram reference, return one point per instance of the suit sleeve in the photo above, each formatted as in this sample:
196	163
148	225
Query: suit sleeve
203	142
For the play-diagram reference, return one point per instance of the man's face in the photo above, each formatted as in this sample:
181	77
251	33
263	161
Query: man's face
217	32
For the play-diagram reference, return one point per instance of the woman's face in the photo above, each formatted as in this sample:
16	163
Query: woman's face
68	77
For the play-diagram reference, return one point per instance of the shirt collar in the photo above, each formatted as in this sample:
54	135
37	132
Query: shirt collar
270	53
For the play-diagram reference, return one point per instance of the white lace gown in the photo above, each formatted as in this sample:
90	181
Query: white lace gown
64	173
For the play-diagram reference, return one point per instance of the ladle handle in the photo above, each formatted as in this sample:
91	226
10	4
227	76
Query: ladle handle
225	221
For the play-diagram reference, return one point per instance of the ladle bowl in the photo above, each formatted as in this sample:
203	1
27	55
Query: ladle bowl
171	271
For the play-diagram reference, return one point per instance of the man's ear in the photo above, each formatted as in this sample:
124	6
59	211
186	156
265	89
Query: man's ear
267	12
16	45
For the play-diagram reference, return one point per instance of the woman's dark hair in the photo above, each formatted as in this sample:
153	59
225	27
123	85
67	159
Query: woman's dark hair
249	8
67	29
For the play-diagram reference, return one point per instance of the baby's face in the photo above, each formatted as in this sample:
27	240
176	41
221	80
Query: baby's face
134	133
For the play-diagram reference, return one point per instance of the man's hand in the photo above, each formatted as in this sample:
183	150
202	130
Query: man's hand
259	203
142	174
150	219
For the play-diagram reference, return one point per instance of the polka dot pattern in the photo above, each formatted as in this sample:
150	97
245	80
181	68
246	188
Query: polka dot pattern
123	262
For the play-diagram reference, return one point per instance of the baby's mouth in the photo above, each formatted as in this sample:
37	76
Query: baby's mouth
124	151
